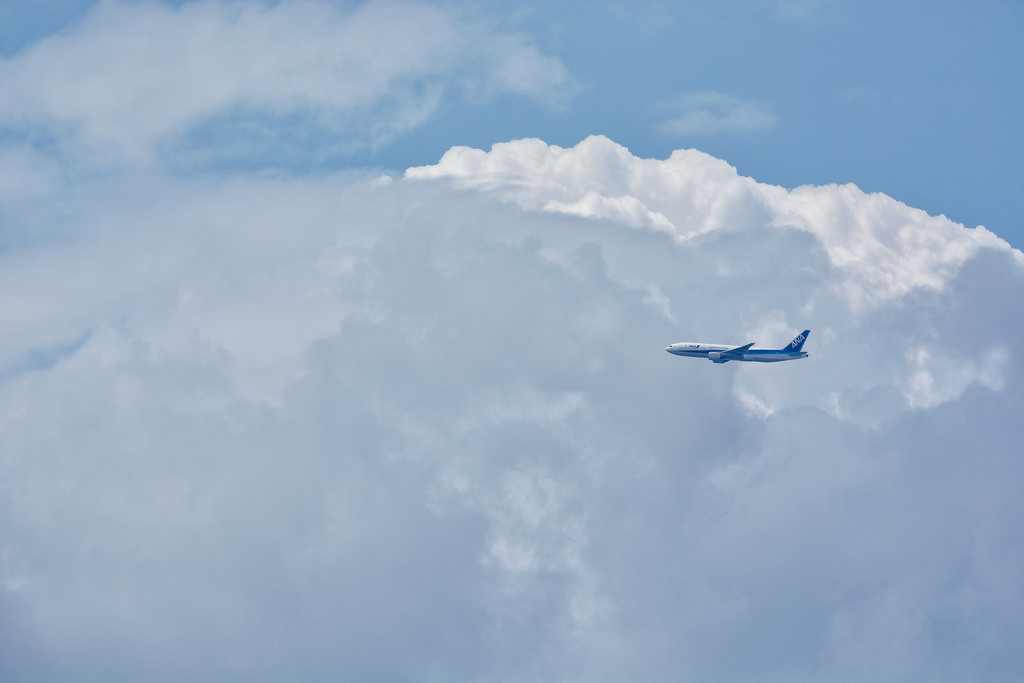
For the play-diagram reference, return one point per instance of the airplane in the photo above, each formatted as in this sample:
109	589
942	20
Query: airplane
719	353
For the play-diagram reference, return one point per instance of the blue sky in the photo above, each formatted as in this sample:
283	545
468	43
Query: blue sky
333	342
919	100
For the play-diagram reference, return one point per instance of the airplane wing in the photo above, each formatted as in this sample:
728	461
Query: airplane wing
737	353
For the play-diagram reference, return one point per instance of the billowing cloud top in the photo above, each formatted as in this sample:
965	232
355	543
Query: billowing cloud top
691	194
341	427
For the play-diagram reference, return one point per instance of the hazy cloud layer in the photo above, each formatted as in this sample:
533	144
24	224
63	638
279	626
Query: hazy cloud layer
216	81
425	429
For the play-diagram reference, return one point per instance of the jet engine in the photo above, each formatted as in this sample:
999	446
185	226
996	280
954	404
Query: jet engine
715	357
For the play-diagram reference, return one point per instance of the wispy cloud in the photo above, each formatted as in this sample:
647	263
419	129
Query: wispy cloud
134	80
712	113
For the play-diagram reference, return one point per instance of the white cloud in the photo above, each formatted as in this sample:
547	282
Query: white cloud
714	113
335	427
927	388
881	248
137	79
338	427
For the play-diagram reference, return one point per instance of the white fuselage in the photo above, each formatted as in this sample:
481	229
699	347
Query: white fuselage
709	351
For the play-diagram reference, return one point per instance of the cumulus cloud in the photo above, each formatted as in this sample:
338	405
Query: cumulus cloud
712	113
692	195
214	80
338	426
424	428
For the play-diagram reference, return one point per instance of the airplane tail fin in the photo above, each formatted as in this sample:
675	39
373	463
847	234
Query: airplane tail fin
797	344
